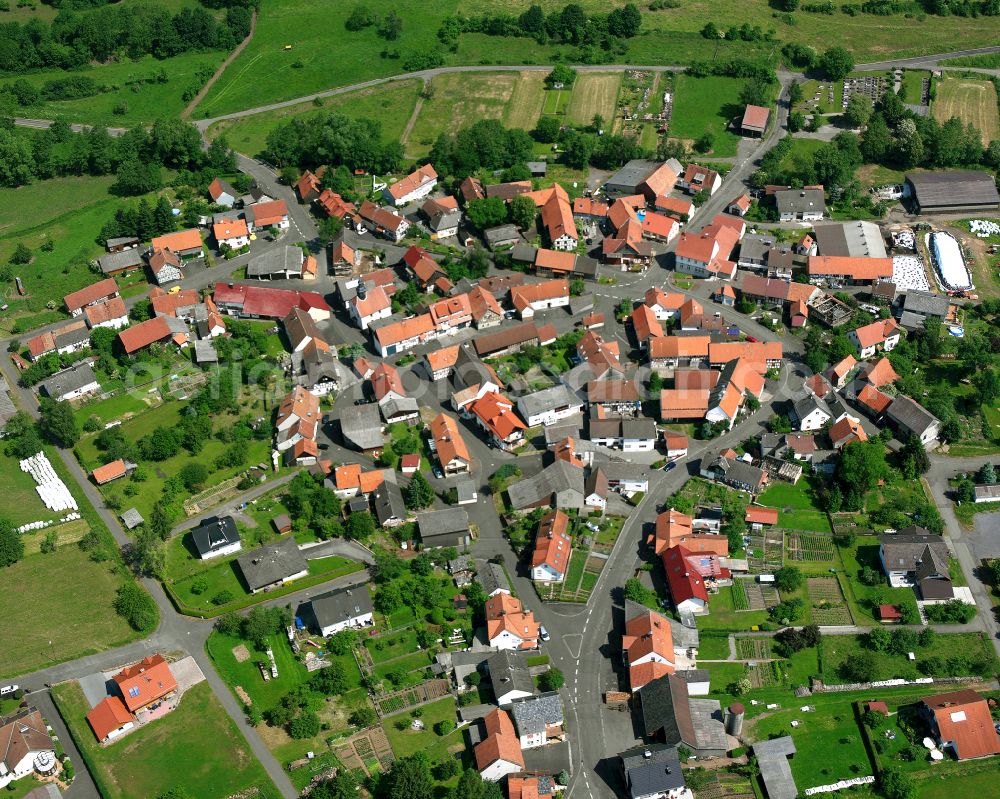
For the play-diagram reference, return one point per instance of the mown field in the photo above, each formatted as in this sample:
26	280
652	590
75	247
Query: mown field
594	93
392	104
972	101
707	105
196	748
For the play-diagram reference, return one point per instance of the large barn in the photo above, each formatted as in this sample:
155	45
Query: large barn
952	192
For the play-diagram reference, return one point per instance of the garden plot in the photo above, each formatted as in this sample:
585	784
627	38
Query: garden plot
765	675
810	547
755	596
829	607
753	648
766	551
908	273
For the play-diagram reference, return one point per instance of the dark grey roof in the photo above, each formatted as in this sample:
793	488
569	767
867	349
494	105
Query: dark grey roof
665	706
693	675
911	321
651	770
491	577
619	470
388	503
955	188
523	253
799	200
466	490
509	672
271	563
115	261
926	304
393	407
121	241
70	336
555	433
501	234
932	563
754	247
72	379
548	399
641	428
850	239
903	552
362	426
807	405
537	166
214	533
910	415
132	518
532	714
632	175
333	607
462	563
204	351
550	759
281	259
443	527
772	756
555	478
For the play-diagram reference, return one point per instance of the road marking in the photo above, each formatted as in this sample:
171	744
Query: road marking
579	644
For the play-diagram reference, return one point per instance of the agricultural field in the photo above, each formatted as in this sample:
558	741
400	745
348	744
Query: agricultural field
972	101
196	747
526	102
594	93
707	105
460	99
391	104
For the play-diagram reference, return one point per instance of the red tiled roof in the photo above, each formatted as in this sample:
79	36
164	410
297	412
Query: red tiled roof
236	228
180	241
143	334
145	682
680	347
658	225
756	116
523	296
880	373
587	206
412	182
963	718
757	515
90	294
500	743
877	332
684	583
847	431
267	302
448	440
404	329
871	397
859	268
269	213
107	716
334	205
101	312
556	260
552	543
108	472
645	324
557	217
660	181
166	304
683	403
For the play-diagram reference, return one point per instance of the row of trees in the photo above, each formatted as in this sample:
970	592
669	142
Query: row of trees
569	25
74	38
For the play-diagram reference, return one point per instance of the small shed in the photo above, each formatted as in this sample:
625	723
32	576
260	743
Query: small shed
537	168
282	523
132	518
409	464
890	614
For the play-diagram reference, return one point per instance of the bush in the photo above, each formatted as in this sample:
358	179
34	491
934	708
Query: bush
952	612
444	726
305	725
199	586
136	606
223	598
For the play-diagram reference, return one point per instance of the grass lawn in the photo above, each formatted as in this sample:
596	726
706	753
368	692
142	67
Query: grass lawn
196	747
913	80
123	406
706	105
458	100
838	649
21	501
724	616
972	101
526	102
126	83
828	743
863	598
391	104
594	93
222	577
800	157
797	506
713	647
949	786
67	587
408	742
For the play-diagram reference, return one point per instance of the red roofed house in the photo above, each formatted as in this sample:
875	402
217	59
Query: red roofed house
110	313
882	335
424	269
649	648
589	209
875	401
679	209
645	325
740	205
699	178
222	193
231	233
109	718
308	186
262	302
382	221
508	625
686	586
449	446
676	444
878	374
335	206
165	266
494	413
601	356
846	431
486	311
665	306
397	337
961	721
273	213
145	333
837	374
557	217
90	295
849	270
553	546
415	186
755	121
759	516
499	752
659	228
674	527
706	254
145	683
369	306
184	243
350	481
108	472
528	299
451	314
888	614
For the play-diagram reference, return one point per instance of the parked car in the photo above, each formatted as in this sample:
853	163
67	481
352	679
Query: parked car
438	473
751	339
8	689
669	466
543	633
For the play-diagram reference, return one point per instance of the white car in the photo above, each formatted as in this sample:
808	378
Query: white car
8	689
543	633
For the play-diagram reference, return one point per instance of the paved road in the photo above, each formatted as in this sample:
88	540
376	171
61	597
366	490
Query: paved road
924	60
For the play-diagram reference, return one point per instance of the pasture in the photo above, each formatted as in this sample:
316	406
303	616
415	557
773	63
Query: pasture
459	99
594	93
707	104
391	104
972	101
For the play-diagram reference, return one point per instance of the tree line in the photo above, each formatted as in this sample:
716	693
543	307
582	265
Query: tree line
136	158
333	139
77	38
